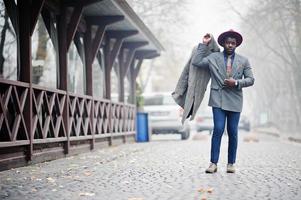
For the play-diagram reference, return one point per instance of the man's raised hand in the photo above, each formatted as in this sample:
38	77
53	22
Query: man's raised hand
207	38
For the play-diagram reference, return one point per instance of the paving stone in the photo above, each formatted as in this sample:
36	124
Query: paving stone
167	169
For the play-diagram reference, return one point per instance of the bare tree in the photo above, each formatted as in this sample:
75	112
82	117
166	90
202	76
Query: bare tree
166	21
5	29
273	29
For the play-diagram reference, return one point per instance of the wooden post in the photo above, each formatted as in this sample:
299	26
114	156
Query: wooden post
134	70
125	62
63	69
89	76
24	56
112	53
120	75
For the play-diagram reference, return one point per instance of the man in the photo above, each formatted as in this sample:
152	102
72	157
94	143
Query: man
230	72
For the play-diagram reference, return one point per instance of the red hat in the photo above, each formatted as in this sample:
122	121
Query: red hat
230	33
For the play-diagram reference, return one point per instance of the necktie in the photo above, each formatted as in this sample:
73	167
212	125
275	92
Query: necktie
229	67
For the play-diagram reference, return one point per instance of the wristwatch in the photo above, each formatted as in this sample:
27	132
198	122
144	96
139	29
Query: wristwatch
236	83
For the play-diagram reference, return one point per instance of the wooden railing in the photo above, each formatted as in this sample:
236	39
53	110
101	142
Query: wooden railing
88	118
13	96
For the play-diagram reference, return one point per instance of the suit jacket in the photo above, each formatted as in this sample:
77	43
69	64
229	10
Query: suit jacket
221	96
191	87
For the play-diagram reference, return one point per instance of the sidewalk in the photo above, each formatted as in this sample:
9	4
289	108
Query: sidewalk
293	137
269	168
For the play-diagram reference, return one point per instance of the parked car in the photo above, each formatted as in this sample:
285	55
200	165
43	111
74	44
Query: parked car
204	119
244	123
165	115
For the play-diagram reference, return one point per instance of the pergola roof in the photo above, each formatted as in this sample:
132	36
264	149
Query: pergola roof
131	22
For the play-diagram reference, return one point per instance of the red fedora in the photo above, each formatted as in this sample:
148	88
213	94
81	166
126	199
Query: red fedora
230	33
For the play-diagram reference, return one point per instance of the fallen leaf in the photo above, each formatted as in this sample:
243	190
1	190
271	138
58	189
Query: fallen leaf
201	190
88	173
210	190
89	194
50	180
76	178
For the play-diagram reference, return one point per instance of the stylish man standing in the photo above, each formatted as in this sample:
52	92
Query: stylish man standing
230	72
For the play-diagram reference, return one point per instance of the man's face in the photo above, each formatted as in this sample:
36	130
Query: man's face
230	45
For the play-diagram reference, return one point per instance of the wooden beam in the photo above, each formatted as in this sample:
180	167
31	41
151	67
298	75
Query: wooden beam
62	40
36	9
46	18
25	42
132	76
99	35
111	55
132	80
99	59
85	2
121	34
50	27
53	6
151	56
137	68
79	46
104	20
74	22
82	26
128	62
120	73
124	66
107	68
146	54
88	61
134	45
12	11
115	51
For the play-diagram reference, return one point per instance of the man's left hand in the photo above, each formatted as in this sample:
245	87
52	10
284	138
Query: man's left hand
229	82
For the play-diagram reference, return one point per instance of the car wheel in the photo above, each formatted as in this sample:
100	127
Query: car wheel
247	129
185	135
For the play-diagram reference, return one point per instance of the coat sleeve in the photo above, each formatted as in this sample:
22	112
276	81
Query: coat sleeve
248	79
200	59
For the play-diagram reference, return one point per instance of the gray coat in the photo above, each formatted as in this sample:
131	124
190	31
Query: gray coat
223	97
191	88
192	83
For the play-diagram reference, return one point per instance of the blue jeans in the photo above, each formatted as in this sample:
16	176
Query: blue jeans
219	120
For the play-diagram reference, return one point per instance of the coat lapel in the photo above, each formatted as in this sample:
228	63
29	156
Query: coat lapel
221	64
236	65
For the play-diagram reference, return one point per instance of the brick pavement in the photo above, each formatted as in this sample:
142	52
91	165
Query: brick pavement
169	169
